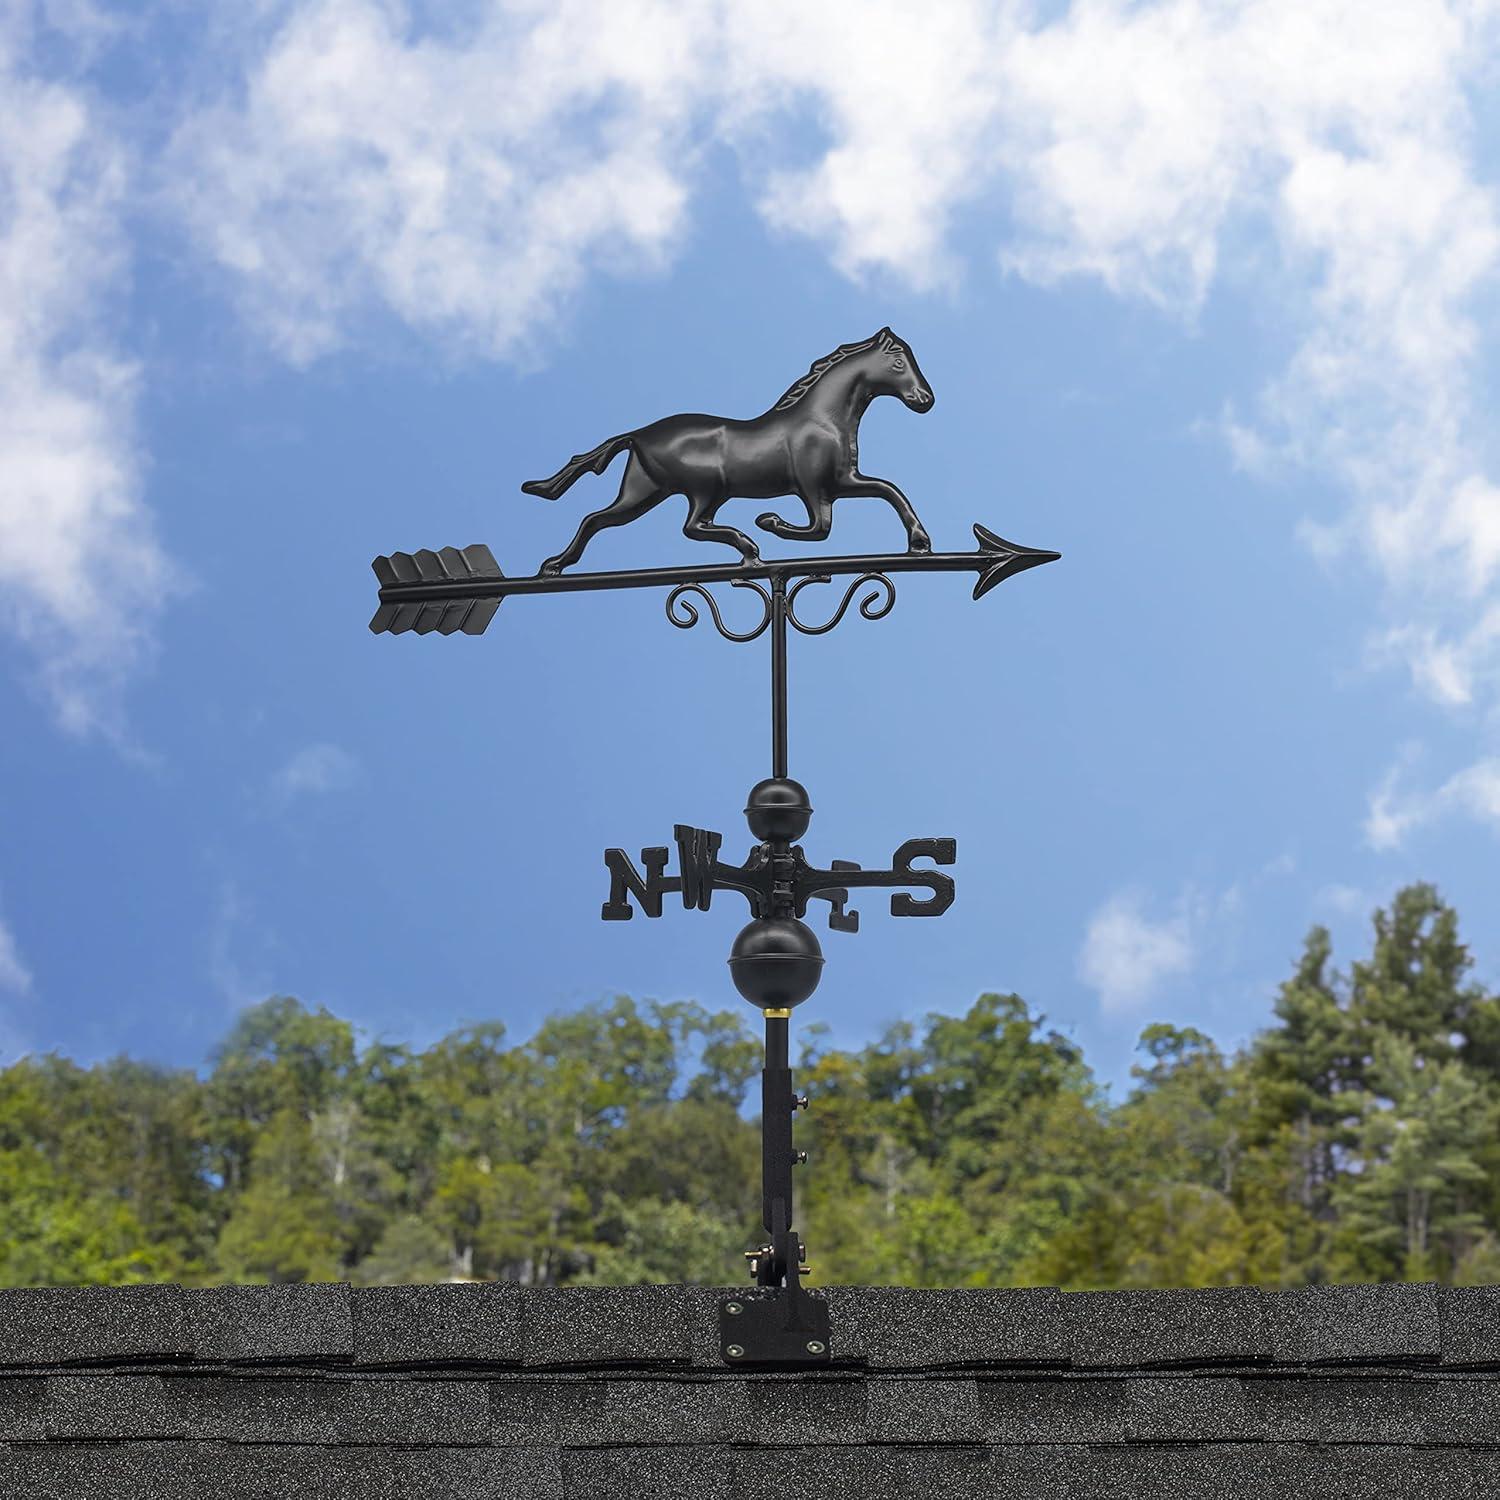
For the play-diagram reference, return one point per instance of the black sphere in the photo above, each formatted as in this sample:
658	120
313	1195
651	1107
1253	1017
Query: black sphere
776	962
778	809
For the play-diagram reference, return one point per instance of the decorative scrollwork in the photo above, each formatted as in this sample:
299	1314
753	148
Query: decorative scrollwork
876	605
684	615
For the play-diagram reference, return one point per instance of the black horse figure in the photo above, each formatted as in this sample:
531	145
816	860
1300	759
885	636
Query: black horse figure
806	445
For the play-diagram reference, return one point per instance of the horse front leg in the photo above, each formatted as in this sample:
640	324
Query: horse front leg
819	520
917	539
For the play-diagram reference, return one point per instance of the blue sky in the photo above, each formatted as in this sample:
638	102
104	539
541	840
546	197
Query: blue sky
1206	294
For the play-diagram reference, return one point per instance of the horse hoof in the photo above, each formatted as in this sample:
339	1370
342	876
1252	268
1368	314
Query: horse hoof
770	522
922	543
550	569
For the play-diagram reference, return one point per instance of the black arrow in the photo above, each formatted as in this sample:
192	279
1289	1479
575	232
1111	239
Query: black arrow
455	589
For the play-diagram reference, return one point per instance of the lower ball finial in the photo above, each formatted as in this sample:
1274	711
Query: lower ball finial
776	962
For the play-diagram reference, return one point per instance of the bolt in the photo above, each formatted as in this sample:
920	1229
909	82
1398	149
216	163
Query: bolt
799	1157
734	1351
734	1309
800	1102
814	1347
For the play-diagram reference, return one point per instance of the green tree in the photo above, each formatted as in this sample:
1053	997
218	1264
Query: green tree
284	1227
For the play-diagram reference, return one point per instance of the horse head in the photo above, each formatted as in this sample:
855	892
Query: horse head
892	370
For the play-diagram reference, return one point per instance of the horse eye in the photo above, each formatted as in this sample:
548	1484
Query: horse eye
898	365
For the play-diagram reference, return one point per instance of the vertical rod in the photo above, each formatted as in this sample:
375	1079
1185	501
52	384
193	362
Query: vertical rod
778	676
776	1130
776	1079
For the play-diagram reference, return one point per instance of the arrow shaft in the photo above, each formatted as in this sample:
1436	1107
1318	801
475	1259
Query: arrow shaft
768	570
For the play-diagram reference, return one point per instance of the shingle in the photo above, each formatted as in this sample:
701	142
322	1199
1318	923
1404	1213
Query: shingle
99	1407
954	1473
418	1412
1469	1317
1131	1329
1353	1324
1462	1412
22	1408
69	1325
300	1410
1017	1412
806	1410
1190	1409
609	1473
922	1409
902	1327
1169	1472
134	1471
273	1409
588	1325
700	1306
1256	1471
191	1471
433	1474
409	1325
545	1413
1360	1472
685	1413
1327	1409
271	1324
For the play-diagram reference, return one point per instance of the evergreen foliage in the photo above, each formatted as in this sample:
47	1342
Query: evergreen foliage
1354	1139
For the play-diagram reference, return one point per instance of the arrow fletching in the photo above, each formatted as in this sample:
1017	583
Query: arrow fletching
425	568
1008	559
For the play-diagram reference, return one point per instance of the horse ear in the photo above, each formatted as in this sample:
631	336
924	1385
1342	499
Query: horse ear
885	338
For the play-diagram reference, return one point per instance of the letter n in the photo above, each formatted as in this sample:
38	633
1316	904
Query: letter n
625	879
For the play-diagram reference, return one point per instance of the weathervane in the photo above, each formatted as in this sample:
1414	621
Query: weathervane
805	445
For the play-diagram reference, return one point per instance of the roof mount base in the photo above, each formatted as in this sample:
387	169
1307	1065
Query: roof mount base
781	1327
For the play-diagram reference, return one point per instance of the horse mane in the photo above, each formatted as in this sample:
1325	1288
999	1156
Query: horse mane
820	367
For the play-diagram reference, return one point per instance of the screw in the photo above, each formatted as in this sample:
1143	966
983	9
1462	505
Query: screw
734	1351
799	1157
800	1102
734	1309
814	1347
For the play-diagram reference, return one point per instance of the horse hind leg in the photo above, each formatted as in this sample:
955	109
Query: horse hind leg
638	493
700	527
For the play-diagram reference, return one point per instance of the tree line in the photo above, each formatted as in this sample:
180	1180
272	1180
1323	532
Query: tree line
1354	1139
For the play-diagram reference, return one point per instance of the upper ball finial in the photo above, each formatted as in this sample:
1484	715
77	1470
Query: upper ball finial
778	808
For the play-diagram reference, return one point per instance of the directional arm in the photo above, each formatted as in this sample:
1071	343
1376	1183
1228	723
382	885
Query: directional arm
843	877
455	589
766	873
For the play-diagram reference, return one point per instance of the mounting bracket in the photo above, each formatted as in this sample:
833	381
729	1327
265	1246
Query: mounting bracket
775	1327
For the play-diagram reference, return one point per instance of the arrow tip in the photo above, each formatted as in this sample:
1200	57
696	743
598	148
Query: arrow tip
1006	559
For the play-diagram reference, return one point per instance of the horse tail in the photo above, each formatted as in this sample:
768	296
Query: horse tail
596	461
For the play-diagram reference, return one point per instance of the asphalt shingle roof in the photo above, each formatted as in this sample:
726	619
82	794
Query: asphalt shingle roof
424	1393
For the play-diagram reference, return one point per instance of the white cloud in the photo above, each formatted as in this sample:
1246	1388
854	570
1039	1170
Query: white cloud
1346	900
82	576
1127	955
463	183
1473	792
235	929
315	769
14	975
